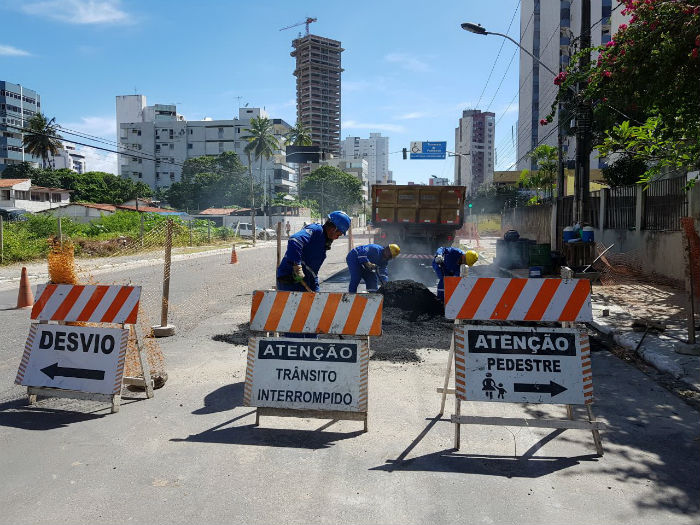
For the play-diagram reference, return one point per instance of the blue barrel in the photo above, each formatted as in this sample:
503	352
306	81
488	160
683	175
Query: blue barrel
587	234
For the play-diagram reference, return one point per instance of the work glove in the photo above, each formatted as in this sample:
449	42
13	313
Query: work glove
369	266
439	259
297	273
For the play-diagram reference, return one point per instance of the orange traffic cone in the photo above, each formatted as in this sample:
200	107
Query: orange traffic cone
25	298
234	257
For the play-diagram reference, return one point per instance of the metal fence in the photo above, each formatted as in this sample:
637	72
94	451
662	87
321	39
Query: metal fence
665	202
620	207
593	212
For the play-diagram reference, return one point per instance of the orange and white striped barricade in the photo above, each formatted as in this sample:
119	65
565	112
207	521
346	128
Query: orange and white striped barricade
520	364
295	376
68	359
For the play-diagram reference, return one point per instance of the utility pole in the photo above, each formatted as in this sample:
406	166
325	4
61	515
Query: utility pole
583	124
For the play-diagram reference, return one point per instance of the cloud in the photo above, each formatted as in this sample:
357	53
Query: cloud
413	115
351	124
105	127
12	51
79	11
97	160
409	62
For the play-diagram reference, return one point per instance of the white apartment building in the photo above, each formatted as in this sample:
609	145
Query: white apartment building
69	158
474	145
375	150
158	141
547	28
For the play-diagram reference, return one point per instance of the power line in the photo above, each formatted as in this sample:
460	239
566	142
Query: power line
493	66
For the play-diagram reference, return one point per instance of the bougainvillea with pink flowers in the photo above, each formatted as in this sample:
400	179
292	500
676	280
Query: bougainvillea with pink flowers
648	76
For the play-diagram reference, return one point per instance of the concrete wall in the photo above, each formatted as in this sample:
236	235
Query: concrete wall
532	222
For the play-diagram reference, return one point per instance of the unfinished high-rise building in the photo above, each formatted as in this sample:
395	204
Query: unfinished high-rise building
318	89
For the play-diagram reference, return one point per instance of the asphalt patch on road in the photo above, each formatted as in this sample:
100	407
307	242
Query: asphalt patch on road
239	336
404	334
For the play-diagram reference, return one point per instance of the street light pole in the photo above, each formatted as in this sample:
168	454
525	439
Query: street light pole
480	30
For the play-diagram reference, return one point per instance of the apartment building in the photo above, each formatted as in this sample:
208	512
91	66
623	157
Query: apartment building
548	30
474	146
156	141
318	89
375	150
17	105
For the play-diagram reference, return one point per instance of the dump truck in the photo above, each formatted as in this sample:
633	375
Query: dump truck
417	218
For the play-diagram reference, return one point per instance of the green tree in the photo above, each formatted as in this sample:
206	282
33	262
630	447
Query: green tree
546	158
23	170
262	144
298	135
210	181
644	87
332	189
42	139
625	171
92	186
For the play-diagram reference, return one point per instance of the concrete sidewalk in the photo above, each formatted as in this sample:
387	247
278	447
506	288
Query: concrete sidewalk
667	351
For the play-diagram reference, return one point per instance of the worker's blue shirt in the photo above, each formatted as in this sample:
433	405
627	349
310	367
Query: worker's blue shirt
373	253
306	247
453	260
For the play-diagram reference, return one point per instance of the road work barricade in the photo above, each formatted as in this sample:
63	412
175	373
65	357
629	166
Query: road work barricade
303	377
77	361
498	361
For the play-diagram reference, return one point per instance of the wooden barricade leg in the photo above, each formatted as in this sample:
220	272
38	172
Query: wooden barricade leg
595	432
448	373
31	397
458	412
143	360
570	412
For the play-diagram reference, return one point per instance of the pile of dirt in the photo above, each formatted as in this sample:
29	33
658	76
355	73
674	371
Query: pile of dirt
412	297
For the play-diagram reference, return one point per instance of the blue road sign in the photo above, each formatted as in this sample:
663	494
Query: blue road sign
428	150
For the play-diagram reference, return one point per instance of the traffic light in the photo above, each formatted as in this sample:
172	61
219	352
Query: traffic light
470	204
405	152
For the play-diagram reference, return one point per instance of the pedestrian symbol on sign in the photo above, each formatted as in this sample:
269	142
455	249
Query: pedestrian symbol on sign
489	385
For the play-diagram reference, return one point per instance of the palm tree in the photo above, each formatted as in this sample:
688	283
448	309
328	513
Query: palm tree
262	144
41	138
299	135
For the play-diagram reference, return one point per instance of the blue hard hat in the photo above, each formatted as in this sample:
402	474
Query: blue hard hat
341	220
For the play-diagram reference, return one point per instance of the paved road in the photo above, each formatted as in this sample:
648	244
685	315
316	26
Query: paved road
191	454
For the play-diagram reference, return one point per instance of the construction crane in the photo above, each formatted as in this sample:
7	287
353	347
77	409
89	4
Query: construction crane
306	22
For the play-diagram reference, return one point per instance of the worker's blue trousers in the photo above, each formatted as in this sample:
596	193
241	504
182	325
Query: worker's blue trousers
360	273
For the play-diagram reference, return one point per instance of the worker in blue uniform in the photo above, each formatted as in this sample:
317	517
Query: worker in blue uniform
446	263
369	262
306	251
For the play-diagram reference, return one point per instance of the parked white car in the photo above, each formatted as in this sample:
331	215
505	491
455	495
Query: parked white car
245	230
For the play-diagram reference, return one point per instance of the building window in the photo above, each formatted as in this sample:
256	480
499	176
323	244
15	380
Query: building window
172	176
21	195
5	195
172	146
191	131
157	175
189	146
55	197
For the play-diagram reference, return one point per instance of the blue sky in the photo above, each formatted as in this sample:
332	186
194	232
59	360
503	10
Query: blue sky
409	67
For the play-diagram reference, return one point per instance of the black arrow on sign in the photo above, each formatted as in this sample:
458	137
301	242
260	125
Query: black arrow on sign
81	373
552	388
